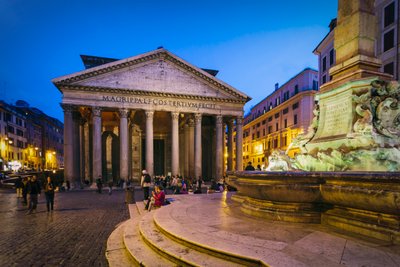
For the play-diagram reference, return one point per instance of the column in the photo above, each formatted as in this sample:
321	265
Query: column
82	150
239	143
230	145
149	142
76	118
68	142
187	149
86	149
218	148
175	143
197	146
97	161
191	148
123	144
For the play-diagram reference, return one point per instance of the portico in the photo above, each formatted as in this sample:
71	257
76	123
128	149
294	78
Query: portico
153	111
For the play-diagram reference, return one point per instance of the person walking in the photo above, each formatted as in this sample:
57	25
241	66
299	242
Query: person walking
19	186
49	193
99	184
33	191
110	185
145	183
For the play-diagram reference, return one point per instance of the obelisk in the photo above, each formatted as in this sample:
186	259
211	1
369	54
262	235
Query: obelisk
354	43
354	129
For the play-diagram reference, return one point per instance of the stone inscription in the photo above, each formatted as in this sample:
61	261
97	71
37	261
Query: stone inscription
158	102
336	118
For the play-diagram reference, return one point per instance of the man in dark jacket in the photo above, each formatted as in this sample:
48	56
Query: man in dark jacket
33	191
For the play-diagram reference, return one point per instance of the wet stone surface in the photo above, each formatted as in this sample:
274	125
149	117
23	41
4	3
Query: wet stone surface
74	234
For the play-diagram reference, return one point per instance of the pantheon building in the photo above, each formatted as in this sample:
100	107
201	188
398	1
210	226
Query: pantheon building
154	111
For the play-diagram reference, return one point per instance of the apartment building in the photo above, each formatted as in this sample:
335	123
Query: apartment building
280	117
12	137
29	139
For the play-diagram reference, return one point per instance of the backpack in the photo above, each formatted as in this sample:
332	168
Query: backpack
147	178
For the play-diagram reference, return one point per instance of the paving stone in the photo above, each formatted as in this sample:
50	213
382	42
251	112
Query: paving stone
74	234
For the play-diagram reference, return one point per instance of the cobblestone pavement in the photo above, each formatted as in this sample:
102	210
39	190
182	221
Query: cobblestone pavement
75	234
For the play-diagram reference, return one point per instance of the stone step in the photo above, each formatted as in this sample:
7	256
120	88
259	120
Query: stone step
176	252
116	253
142	254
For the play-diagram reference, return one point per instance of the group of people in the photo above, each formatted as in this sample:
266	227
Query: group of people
30	188
157	198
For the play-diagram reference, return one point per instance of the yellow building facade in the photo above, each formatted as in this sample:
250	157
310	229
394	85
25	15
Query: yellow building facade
274	122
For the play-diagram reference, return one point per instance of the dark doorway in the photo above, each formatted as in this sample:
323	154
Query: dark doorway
158	156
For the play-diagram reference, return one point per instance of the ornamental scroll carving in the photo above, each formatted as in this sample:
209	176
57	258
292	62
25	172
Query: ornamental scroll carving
219	119
68	108
149	114
96	111
123	113
197	118
175	115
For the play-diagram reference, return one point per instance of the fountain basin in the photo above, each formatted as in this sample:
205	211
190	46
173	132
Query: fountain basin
366	203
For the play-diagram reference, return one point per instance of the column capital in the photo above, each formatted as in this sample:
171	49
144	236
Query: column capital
197	117
219	119
175	115
149	114
96	111
68	108
123	112
239	120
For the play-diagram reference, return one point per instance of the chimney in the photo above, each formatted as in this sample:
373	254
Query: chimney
276	86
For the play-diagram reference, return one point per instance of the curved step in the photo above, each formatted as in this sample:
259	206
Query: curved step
139	250
116	253
176	252
175	221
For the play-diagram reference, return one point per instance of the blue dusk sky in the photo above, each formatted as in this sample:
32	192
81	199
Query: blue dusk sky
253	43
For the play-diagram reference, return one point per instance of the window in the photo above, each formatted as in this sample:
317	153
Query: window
295	119
252	136
10	129
275	143
389	14
285	123
20	133
331	57
323	79
270	118
258	125
284	141
269	129
285	96
324	64
18	121
315	85
264	122
276	127
389	68
286	110
258	134
388	40
295	105
263	132
7	117
296	89
276	115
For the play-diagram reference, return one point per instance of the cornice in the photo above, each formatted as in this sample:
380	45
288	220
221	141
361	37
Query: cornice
161	55
148	93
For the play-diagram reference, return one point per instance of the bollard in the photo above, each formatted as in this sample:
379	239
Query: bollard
130	195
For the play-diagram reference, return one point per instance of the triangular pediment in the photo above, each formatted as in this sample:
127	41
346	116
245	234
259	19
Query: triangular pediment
158	71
